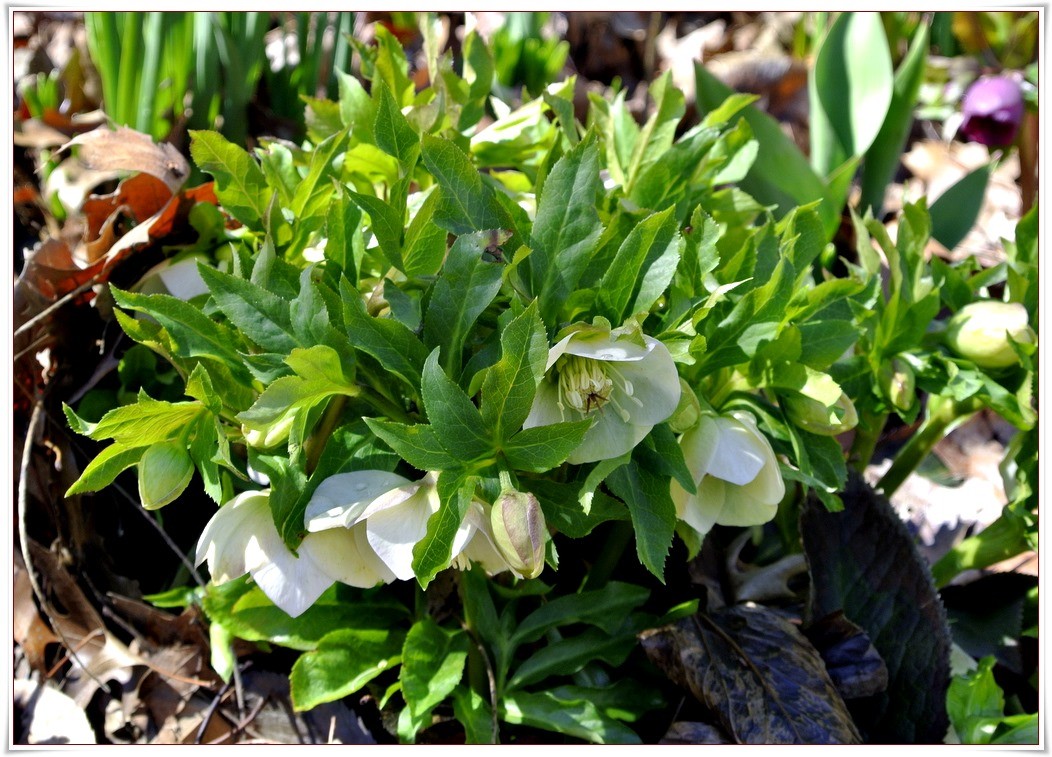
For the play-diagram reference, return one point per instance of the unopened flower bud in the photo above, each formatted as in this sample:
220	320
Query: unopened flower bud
820	406
687	412
980	332
269	436
899	384
993	110
165	470
520	532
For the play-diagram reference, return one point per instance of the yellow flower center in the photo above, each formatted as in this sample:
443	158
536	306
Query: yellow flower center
583	384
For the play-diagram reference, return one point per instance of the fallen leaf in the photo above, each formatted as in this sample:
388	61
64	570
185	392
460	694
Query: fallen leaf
29	630
757	673
854	664
140	196
690	732
129	150
47	716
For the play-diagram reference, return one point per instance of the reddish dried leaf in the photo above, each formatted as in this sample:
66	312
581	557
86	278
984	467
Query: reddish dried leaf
176	213
29	630
140	196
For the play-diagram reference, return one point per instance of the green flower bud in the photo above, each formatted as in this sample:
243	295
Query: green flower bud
687	412
520	532
164	472
980	332
820	405
269	436
898	383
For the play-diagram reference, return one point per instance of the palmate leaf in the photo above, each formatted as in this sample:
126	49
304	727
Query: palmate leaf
757	673
864	561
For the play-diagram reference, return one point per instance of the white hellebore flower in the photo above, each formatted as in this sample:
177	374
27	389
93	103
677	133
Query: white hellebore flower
387	515
241	538
735	471
627	382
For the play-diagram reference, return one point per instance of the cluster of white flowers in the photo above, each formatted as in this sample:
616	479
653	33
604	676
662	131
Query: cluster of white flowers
362	526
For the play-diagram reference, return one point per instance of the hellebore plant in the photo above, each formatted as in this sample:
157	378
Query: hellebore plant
496	386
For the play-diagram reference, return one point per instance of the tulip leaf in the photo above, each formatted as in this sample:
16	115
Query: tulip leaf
864	561
653	513
344	661
433	661
761	677
851	90
954	212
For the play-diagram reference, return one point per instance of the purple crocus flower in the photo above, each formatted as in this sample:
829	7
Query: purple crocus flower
993	110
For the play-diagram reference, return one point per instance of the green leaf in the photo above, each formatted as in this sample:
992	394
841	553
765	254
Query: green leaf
239	182
781	175
566	228
826	342
192	332
643	267
146	422
386	224
434	552
474	714
105	466
466	286
262	316
649	501
541	448
605	608
851	90
433	661
314	191
396	348
319	375
954	212
425	241
567	656
343	663
976	704
1004	538
883	156
578	718
393	133
455	419
418	445
467	204
511	383
564	512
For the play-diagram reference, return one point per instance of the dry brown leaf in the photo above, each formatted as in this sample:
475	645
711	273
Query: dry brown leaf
129	150
30	631
140	196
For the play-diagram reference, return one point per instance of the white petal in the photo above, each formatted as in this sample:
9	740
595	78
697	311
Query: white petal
602	347
742	509
393	532
292	583
655	386
481	548
740	454
340	500
345	556
610	436
225	538
558	351
701	511
699	446
545	410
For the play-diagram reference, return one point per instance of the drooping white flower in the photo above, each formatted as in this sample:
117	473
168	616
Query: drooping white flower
388	515
241	538
735	471
624	379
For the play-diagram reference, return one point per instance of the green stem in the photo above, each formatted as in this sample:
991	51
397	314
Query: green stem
944	414
316	443
616	543
867	433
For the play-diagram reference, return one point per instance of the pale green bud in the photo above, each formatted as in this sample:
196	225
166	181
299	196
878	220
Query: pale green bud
980	332
687	412
164	472
820	406
269	436
898	383
520	532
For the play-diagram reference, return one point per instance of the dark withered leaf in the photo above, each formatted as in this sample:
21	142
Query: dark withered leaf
692	732
864	561
757	673
853	663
